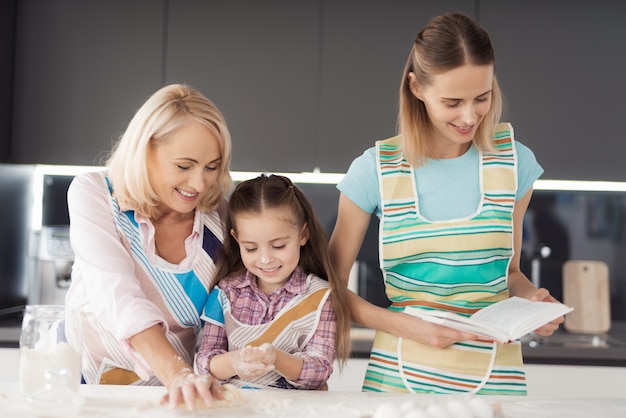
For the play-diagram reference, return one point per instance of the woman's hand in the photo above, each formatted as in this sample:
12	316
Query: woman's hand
431	334
543	295
187	387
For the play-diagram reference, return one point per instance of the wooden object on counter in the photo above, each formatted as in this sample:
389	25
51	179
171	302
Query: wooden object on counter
586	289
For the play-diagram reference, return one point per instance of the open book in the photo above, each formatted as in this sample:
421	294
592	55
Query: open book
503	321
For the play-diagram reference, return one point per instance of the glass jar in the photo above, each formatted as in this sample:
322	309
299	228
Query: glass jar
50	367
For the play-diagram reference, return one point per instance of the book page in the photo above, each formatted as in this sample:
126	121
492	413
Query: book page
503	321
462	323
520	316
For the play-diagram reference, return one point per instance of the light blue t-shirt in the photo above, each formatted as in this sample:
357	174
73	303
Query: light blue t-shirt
447	188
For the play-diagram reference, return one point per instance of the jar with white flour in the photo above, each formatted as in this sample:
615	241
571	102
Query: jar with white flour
50	367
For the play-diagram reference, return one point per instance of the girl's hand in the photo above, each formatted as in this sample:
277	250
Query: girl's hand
252	362
543	295
186	388
267	354
432	334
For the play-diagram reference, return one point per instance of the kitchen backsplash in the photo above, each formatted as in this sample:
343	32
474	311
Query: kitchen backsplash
574	225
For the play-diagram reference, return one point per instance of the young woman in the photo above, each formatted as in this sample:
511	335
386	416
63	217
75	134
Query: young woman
451	191
146	233
279	316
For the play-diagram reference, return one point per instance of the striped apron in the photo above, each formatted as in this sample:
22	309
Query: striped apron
458	265
180	295
290	331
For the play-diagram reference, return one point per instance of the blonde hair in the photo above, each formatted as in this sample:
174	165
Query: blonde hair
446	42
167	110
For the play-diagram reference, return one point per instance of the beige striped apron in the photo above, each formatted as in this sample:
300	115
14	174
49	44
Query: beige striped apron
459	265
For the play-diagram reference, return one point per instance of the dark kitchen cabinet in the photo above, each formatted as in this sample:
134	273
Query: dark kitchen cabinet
302	84
259	62
366	44
561	66
306	84
81	70
7	48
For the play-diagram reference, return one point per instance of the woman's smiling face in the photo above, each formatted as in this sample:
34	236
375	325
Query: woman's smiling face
184	166
456	101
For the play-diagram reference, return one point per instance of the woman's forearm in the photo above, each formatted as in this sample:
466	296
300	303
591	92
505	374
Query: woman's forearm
164	361
519	285
372	316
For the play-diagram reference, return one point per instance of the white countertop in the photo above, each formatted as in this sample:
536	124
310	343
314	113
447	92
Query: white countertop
130	401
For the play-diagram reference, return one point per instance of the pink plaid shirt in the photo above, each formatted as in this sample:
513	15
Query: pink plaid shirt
251	306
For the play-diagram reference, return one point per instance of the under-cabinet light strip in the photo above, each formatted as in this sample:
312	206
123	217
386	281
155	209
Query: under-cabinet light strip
581	185
556	185
314	177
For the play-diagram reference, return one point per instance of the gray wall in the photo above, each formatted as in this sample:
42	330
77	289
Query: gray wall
309	83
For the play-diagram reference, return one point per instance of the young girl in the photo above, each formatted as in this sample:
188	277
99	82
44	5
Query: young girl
281	315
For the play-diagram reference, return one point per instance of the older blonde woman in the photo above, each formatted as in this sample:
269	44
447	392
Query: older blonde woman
146	233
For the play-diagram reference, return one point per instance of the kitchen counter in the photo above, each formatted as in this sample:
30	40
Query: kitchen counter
134	401
578	349
561	348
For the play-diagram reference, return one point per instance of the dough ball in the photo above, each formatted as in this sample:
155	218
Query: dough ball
437	411
408	406
416	413
480	408
387	410
459	409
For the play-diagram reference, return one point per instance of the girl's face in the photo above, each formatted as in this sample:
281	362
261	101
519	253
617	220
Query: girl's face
456	101
270	246
184	167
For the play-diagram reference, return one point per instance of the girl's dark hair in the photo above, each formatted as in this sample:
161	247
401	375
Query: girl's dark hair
272	192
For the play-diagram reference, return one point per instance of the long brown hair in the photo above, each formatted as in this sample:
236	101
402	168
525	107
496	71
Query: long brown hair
274	191
447	42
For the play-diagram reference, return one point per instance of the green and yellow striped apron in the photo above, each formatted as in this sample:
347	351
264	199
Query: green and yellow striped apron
459	265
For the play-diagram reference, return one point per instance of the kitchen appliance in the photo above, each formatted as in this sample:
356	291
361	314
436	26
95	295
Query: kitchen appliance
50	250
586	289
52	260
16	183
